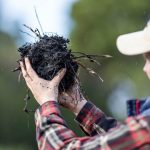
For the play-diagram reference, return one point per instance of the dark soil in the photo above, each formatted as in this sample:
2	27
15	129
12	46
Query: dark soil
50	54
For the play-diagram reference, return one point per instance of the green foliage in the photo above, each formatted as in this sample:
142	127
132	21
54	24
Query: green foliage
11	147
98	23
16	126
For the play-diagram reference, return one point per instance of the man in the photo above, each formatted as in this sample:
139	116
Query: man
103	133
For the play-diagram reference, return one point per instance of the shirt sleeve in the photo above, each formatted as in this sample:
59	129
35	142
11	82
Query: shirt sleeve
52	133
145	109
93	121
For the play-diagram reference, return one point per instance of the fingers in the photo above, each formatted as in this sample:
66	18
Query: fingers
29	69
59	76
24	72
30	74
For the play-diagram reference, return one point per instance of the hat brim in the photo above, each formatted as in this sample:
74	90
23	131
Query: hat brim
133	43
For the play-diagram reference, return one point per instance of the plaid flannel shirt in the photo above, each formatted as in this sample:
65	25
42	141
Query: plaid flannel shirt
104	133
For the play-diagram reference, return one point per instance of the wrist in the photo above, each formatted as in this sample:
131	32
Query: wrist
41	102
79	106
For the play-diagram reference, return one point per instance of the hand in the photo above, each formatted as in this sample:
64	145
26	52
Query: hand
73	99
42	90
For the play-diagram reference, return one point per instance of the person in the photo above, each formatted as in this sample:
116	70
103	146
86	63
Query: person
102	132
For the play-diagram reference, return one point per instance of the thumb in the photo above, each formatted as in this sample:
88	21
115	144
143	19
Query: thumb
59	75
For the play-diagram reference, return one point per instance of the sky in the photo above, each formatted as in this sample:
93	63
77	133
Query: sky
54	15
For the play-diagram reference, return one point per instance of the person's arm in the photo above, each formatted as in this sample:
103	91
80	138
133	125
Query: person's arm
93	121
90	118
53	133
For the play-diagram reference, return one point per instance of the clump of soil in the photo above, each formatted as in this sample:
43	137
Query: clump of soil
48	56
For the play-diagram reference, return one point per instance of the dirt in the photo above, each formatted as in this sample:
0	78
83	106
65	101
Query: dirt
48	56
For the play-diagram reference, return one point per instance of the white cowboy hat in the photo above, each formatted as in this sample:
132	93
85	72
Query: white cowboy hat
135	43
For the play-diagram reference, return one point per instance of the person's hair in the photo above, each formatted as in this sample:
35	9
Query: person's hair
147	55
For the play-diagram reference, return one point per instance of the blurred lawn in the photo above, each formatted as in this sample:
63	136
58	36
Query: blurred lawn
17	147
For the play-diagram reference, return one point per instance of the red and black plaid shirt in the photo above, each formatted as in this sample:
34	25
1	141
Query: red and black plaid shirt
103	133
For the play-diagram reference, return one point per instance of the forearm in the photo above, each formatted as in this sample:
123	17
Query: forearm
51	130
53	133
79	106
93	121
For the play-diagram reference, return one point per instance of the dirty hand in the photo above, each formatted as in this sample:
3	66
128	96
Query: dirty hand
73	99
42	90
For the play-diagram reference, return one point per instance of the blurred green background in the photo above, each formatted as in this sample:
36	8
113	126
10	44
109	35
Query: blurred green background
95	27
